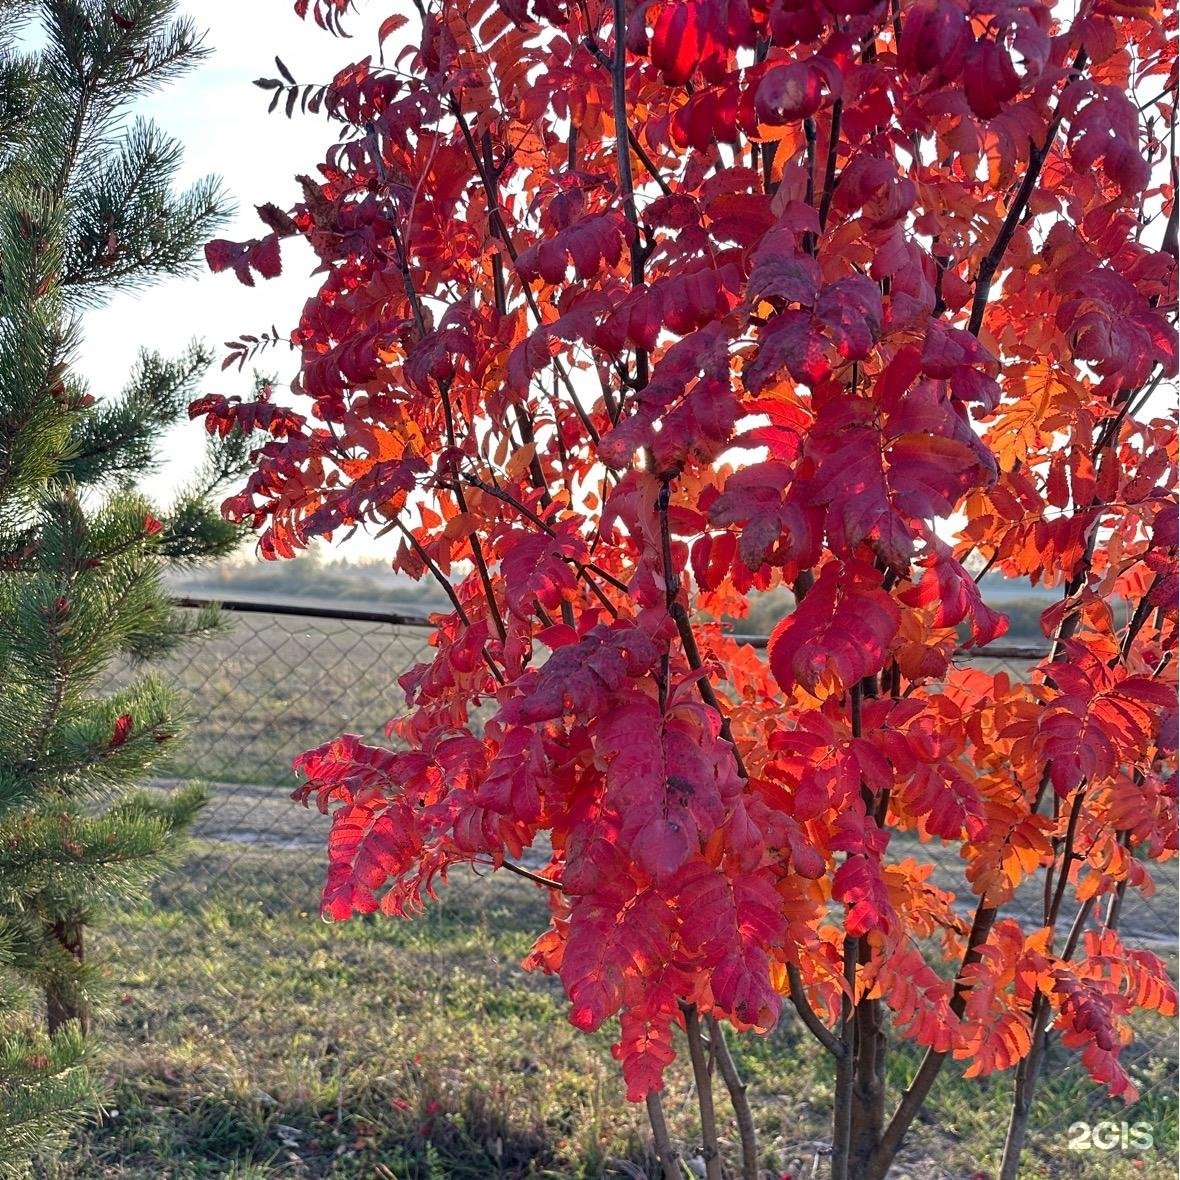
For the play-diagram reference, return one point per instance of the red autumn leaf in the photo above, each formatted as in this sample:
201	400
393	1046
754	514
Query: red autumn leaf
758	499
692	35
221	255
588	244
838	635
581	677
798	90
792	340
947	804
537	570
390	25
729	922
264	257
782	270
954	595
607	942
851	311
934	36
989	77
261	255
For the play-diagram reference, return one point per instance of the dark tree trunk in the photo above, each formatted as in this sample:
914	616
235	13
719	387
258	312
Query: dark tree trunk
868	1087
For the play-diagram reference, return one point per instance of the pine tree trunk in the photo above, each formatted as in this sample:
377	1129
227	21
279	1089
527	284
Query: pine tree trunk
61	1002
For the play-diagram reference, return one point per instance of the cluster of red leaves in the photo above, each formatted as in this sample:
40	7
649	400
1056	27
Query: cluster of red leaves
851	268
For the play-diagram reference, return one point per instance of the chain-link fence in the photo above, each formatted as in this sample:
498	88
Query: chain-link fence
282	678
277	680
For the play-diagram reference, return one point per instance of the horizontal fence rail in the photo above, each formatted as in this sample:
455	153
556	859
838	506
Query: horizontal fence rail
313	610
307	609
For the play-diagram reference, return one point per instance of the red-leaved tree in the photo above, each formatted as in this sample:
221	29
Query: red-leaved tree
630	310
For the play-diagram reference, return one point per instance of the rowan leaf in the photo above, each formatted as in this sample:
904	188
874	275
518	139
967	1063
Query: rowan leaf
581	677
838	635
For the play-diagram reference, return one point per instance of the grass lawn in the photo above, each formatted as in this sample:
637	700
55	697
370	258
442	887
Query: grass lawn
245	1038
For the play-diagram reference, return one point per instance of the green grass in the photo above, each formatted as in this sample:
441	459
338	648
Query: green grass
248	1039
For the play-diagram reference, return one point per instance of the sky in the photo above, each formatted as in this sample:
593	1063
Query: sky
220	118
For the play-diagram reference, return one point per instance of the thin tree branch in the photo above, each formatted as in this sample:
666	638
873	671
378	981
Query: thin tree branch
704	1084
1068	857
520	871
501	229
448	589
991	261
807	1014
845	1075
738	1099
1114	908
915	1095
587	571
668	1156
619	112
825	201
648	163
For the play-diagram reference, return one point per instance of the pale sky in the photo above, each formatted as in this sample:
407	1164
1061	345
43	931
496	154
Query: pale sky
221	120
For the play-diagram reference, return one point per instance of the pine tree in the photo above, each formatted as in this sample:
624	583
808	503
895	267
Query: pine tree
87	208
